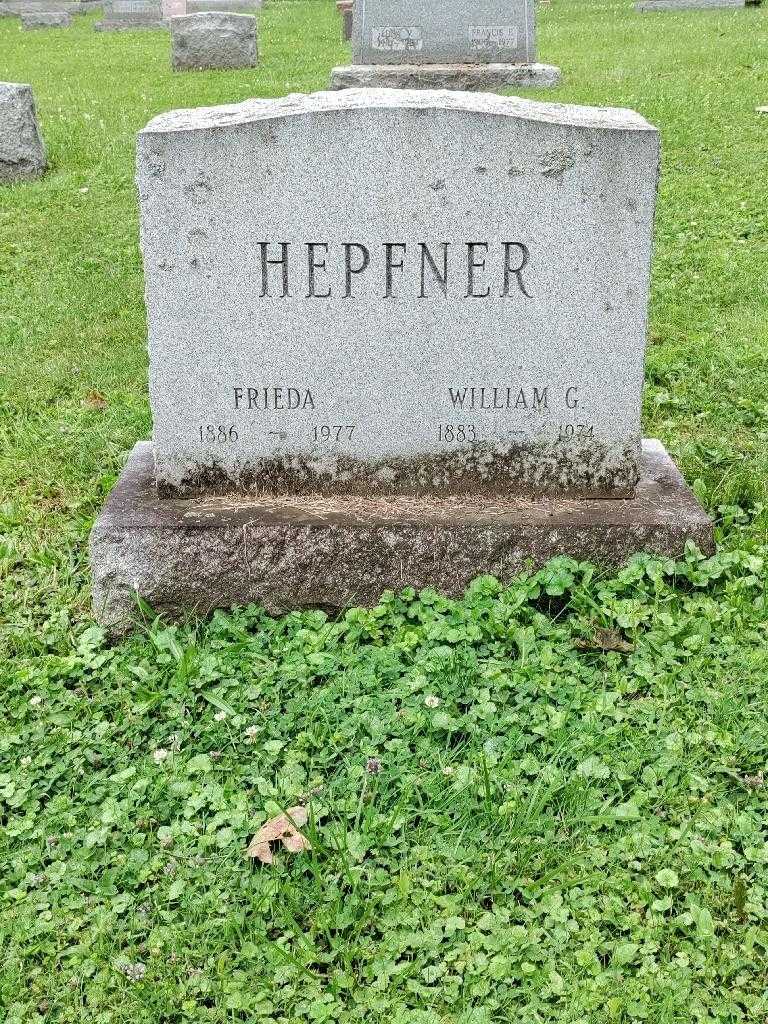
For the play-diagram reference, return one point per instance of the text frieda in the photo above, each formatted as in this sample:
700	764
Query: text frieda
319	270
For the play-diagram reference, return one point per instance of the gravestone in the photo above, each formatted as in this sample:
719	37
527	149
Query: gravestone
22	154
223	6
413	375
125	15
687	5
213	41
457	44
46	19
346	9
174	9
17	8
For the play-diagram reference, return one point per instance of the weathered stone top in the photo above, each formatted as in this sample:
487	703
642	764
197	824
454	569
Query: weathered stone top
200	118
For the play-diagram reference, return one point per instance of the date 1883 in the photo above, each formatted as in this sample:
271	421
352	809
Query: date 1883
456	433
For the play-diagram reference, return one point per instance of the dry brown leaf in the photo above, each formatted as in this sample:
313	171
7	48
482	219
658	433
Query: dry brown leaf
95	400
285	829
606	640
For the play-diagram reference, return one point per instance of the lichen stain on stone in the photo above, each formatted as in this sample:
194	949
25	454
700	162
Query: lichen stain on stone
197	239
200	189
266	133
555	162
542	470
155	164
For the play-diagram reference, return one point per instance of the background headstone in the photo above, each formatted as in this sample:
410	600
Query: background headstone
22	154
131	14
466	312
346	9
19	7
223	6
174	9
467	45
46	19
450	32
686	5
213	40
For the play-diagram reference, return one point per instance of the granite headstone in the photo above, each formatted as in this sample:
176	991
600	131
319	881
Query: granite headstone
213	40
20	7
457	44
223	6
451	32
174	9
126	15
425	371
687	5
346	9
22	154
45	19
450	254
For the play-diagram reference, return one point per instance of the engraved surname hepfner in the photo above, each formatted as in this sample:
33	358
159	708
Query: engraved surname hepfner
466	270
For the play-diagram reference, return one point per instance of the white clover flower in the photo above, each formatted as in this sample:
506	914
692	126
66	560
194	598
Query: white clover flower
159	755
134	972
431	701
220	716
35	701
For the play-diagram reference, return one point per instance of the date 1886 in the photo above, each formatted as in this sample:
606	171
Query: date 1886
218	434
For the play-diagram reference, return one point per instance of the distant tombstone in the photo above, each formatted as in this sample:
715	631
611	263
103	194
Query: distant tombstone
459	44
20	7
223	6
174	9
451	32
346	9
22	154
45	19
425	371
131	14
687	5
213	40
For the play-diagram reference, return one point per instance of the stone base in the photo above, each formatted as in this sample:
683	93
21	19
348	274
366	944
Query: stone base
464	77
185	555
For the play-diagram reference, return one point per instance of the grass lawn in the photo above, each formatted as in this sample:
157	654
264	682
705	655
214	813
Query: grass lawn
543	803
